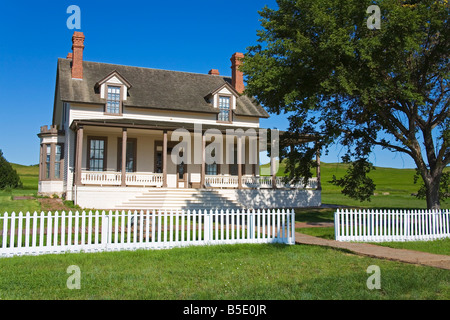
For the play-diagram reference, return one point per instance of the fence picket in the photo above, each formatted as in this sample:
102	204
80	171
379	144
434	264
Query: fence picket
12	230
69	231
63	228
34	236
153	215
19	231
27	230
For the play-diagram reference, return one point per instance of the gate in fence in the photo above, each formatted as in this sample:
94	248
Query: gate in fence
48	233
391	225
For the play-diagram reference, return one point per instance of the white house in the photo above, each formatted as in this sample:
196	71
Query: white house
127	137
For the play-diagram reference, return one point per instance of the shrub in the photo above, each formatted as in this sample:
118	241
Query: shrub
8	176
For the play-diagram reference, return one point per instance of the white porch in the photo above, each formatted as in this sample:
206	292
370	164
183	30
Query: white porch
149	160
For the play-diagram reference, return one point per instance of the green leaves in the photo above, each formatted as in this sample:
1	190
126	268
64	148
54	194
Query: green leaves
8	176
364	88
356	184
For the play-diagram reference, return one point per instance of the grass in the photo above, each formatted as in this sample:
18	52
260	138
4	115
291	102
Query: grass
7	204
325	232
314	215
29	175
243	272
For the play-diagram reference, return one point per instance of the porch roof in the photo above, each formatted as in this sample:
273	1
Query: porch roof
171	126
151	124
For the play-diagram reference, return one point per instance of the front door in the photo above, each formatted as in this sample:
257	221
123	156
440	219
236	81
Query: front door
182	176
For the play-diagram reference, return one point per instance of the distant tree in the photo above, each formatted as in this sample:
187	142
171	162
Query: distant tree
8	176
362	87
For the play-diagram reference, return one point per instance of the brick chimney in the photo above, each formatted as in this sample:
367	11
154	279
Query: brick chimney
214	72
237	77
77	56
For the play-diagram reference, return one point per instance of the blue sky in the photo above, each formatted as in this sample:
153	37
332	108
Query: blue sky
191	36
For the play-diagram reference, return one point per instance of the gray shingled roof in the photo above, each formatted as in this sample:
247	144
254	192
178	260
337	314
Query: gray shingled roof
151	88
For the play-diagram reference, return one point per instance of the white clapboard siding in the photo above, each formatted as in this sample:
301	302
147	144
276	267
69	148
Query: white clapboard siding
48	233
391	225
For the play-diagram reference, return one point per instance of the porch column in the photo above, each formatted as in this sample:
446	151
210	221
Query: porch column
79	154
203	173
239	160
273	166
124	157
319	184
165	159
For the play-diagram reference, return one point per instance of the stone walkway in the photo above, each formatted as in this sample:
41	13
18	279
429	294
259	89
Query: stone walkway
374	251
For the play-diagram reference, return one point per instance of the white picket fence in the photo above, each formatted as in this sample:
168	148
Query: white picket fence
49	233
391	225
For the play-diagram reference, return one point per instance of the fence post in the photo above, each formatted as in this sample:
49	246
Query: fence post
336	225
206	226
293	226
251	225
105	229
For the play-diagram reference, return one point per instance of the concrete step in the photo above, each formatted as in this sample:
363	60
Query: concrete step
193	199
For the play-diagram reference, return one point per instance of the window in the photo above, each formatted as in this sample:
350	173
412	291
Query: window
159	159
97	152
47	162
58	158
131	155
113	102
181	170
212	169
224	109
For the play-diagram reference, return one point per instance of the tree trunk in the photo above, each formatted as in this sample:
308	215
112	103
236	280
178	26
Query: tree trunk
432	193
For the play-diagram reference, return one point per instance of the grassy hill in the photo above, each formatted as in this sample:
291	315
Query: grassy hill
29	175
393	187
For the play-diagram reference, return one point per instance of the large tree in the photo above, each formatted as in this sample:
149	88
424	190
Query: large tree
344	82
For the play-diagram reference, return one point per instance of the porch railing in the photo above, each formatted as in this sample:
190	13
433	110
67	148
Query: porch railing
219	181
101	178
254	182
115	179
144	179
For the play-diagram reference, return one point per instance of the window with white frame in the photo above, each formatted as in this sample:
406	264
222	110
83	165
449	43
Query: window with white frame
58	158
113	102
224	109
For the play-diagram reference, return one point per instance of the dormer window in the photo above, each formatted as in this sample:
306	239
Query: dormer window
114	90
224	100
113	102
224	109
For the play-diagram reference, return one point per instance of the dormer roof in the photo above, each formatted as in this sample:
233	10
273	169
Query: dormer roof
110	76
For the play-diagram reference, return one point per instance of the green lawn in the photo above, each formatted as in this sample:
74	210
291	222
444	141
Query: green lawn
244	272
29	175
247	272
436	246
